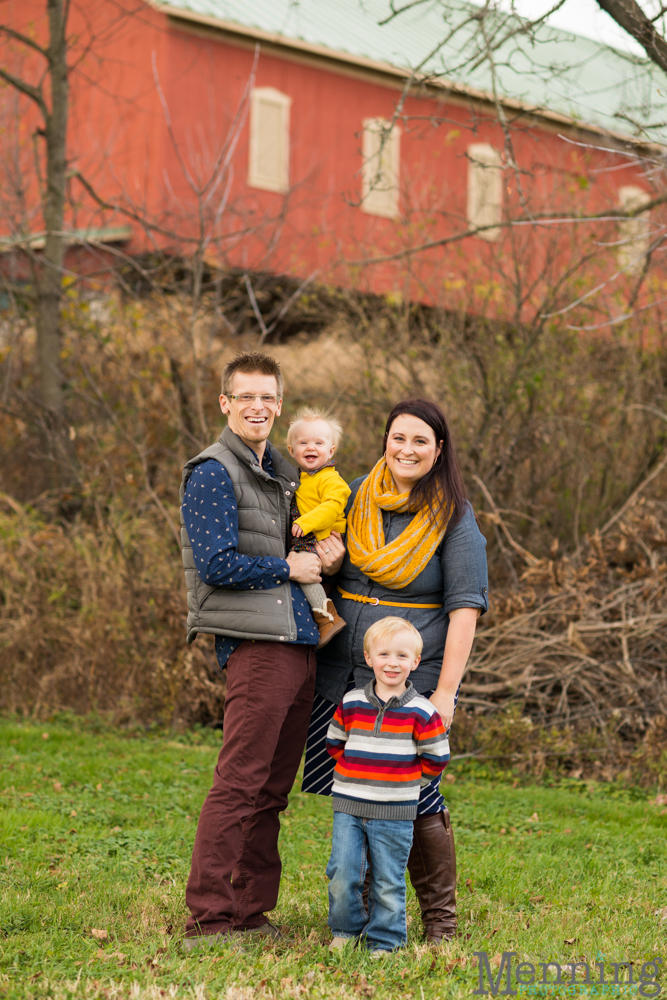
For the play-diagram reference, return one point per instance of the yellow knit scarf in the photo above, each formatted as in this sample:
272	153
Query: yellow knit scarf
397	564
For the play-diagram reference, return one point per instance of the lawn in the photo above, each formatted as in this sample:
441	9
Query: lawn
96	833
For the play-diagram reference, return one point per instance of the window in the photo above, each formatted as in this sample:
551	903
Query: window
485	189
268	163
380	170
634	232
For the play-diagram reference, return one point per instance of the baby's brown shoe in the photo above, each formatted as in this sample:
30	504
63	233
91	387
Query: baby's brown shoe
328	621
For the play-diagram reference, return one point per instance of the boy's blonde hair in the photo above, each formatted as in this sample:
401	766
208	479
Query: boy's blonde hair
314	413
386	628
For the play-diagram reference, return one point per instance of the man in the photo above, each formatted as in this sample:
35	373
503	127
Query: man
242	588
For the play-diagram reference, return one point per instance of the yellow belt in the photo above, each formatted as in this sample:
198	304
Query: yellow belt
373	600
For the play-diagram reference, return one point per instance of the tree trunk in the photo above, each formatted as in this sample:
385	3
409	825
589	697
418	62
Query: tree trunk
50	267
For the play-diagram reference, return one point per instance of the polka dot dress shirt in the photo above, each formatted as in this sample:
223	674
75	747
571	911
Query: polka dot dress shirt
211	520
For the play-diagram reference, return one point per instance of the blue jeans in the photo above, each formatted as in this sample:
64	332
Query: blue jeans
386	843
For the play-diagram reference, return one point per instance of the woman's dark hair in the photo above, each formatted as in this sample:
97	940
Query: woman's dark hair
443	485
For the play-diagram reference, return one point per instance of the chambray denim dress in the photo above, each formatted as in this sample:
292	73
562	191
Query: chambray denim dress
456	577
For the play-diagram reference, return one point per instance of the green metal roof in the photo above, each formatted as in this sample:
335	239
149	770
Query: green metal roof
555	70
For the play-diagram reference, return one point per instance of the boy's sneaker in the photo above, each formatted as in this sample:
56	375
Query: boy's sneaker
338	943
329	623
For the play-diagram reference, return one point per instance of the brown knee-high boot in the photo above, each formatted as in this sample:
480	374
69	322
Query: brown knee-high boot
432	869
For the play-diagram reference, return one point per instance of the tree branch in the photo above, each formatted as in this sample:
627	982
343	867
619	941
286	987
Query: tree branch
24	40
629	15
34	93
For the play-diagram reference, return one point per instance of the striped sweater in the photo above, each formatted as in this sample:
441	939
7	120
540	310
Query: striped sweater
384	751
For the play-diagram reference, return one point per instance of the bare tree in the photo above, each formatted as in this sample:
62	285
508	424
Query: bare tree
49	92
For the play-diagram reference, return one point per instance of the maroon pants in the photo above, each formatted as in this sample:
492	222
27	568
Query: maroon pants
236	867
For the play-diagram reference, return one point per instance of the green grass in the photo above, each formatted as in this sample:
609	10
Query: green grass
97	829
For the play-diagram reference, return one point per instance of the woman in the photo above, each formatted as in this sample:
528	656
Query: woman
413	550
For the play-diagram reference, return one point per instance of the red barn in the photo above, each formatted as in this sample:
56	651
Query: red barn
300	139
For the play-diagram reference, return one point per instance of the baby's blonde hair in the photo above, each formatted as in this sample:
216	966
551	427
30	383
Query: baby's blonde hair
386	628
313	413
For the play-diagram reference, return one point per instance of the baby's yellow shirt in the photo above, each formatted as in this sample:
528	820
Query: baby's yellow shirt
321	499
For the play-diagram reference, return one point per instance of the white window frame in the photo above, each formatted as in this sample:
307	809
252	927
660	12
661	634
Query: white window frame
380	178
635	231
485	190
279	180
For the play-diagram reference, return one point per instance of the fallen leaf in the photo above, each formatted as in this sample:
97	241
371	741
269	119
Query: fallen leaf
587	846
101	953
462	962
570	941
119	955
503	832
660	800
45	736
497	959
536	899
71	831
116	829
99	786
57	787
567	830
403	973
662	914
73	812
534	818
101	935
36	976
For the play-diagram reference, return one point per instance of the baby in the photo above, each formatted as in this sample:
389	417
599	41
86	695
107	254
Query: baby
318	508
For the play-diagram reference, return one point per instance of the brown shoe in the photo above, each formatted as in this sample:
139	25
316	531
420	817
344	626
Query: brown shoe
266	929
432	869
222	938
329	623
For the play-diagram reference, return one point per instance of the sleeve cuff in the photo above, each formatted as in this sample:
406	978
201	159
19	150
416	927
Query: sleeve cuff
479	600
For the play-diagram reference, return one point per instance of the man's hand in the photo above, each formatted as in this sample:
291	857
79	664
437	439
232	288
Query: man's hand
297	531
304	567
331	551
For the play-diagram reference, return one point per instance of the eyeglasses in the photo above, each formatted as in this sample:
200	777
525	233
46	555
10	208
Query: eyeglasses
247	397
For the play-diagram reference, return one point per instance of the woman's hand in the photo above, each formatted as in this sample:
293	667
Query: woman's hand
444	702
460	636
331	551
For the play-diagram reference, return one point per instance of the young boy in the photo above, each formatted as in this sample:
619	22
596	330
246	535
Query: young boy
318	508
387	741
